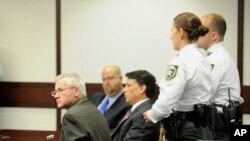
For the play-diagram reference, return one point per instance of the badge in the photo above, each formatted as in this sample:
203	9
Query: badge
171	72
212	65
209	53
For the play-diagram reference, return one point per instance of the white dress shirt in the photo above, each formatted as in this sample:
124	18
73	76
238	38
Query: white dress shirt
138	103
111	100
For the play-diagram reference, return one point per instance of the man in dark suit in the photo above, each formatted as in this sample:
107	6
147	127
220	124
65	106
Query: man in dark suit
140	88
82	118
112	102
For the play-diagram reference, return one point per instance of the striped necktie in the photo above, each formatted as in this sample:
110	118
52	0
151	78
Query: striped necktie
125	117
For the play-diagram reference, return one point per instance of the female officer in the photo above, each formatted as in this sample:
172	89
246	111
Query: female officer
187	82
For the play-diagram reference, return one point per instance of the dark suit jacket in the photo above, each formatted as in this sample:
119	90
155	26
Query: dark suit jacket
117	110
135	128
80	123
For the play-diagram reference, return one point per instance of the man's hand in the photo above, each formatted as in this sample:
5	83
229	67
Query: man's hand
146	118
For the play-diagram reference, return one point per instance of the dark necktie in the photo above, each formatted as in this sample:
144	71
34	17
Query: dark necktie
125	117
104	106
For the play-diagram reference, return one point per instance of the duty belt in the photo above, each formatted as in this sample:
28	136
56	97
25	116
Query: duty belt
178	115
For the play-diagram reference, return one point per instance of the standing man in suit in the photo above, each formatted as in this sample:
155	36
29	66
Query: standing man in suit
82	117
140	88
112	102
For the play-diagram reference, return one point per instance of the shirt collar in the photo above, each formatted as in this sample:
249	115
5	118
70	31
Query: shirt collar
213	47
187	48
114	98
137	104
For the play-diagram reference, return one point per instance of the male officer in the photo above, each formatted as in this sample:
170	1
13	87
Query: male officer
225	76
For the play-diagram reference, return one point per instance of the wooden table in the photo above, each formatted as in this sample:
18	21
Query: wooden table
27	135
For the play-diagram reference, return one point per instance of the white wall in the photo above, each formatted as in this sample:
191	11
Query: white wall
28	118
133	34
27	54
246	44
27	40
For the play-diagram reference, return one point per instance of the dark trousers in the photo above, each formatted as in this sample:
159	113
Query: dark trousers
187	131
184	129
220	135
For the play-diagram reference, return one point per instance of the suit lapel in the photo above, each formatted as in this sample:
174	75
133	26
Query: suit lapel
125	118
140	106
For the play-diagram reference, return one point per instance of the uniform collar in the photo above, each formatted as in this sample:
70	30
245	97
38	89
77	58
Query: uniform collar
187	48
213	47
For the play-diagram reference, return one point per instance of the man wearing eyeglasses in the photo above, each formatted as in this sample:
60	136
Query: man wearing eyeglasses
82	117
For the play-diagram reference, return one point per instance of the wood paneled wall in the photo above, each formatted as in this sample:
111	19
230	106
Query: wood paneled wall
20	94
245	92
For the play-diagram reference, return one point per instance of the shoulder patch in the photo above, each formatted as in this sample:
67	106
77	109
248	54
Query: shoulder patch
171	72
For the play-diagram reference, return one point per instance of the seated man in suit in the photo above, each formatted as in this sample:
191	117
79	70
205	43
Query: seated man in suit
81	118
112	102
139	90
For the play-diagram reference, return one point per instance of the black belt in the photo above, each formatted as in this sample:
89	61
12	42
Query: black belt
228	103
170	123
218	105
184	115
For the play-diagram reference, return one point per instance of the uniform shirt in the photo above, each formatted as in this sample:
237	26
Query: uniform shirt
187	82
224	75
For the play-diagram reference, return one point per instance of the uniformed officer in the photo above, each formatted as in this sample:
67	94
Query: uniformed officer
187	83
225	76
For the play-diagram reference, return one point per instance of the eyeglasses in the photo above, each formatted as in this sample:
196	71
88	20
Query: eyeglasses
53	93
